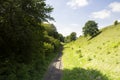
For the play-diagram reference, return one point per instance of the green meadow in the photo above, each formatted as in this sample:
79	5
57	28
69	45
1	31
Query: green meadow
93	59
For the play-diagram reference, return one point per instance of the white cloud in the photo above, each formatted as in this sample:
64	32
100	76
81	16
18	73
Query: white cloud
101	14
77	3
115	6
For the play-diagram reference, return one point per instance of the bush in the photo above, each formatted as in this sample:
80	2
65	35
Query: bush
56	45
52	41
48	48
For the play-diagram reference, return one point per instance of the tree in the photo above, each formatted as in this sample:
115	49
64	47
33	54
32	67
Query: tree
116	22
90	28
21	36
51	30
73	36
67	39
61	37
19	21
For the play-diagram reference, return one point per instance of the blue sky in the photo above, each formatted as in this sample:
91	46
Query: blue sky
71	15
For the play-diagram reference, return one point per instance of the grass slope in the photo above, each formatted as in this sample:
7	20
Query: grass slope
95	59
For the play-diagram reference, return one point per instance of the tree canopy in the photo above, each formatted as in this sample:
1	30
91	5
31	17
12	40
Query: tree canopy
90	28
116	22
71	37
22	46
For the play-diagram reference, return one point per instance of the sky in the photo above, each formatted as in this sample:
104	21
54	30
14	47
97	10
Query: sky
71	15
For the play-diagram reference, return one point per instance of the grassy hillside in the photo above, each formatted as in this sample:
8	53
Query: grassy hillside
95	59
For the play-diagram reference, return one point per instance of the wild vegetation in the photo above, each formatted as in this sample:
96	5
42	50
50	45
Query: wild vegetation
93	59
28	43
91	29
26	46
71	37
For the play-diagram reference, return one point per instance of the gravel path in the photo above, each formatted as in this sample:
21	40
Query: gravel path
54	71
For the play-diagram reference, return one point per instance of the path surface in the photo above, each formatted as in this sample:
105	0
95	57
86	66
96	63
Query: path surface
54	71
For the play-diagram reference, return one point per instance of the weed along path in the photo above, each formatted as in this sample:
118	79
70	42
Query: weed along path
54	71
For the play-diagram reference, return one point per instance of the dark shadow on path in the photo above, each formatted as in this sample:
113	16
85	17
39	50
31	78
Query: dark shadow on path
83	74
53	74
54	71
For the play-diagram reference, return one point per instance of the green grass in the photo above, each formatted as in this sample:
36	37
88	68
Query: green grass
95	59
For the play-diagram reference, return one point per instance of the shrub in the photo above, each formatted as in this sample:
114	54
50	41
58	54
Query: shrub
48	48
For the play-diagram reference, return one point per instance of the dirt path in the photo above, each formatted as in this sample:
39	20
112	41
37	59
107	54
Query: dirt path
54	71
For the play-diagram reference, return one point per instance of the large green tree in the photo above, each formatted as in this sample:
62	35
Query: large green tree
21	38
73	36
90	28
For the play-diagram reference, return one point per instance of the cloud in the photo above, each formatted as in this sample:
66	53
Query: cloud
77	3
101	14
115	6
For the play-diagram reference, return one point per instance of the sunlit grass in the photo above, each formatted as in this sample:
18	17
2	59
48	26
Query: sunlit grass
100	54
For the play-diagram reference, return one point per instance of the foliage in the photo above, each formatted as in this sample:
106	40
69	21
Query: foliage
116	22
67	39
61	37
71	37
49	49
22	47
52	41
51	36
90	28
51	30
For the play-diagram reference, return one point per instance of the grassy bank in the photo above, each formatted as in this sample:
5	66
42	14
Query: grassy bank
95	59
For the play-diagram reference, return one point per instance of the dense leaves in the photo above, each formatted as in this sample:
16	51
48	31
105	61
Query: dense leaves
90	29
71	37
51	35
51	30
116	22
61	37
23	51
